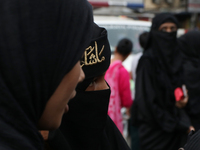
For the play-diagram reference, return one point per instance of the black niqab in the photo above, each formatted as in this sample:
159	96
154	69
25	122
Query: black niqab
40	42
161	124
166	53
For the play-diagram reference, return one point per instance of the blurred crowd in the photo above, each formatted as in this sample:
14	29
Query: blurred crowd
60	89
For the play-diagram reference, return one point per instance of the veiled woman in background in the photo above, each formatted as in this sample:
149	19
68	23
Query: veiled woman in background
162	125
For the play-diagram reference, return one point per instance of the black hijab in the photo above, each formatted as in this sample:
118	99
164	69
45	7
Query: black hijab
40	42
163	45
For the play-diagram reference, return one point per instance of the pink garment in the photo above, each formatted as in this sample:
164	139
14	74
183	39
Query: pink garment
119	80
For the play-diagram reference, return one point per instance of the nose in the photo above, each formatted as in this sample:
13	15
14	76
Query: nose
169	30
82	75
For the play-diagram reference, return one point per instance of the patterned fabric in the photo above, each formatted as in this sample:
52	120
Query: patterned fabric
120	95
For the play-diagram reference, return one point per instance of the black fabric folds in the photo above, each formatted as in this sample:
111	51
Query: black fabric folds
193	141
86	119
189	44
40	42
96	58
112	138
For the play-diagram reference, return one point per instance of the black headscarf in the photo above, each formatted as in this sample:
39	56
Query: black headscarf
40	42
161	18
96	63
163	45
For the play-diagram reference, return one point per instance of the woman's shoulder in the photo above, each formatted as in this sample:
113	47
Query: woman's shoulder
147	63
148	55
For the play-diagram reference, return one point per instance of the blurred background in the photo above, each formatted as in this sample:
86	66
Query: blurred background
187	11
129	18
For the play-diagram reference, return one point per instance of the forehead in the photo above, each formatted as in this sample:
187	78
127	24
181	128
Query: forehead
168	24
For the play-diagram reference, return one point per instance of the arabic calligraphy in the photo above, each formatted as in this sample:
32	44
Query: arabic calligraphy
92	55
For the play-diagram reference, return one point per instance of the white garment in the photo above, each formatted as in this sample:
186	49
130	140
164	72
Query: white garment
135	60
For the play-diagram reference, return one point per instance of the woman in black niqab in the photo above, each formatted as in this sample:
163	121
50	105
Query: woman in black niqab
40	42
163	44
189	44
161	124
87	125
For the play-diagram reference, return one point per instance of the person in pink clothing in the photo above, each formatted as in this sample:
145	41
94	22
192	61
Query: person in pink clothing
119	80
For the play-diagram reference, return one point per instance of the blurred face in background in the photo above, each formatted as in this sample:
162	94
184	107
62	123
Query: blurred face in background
168	27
